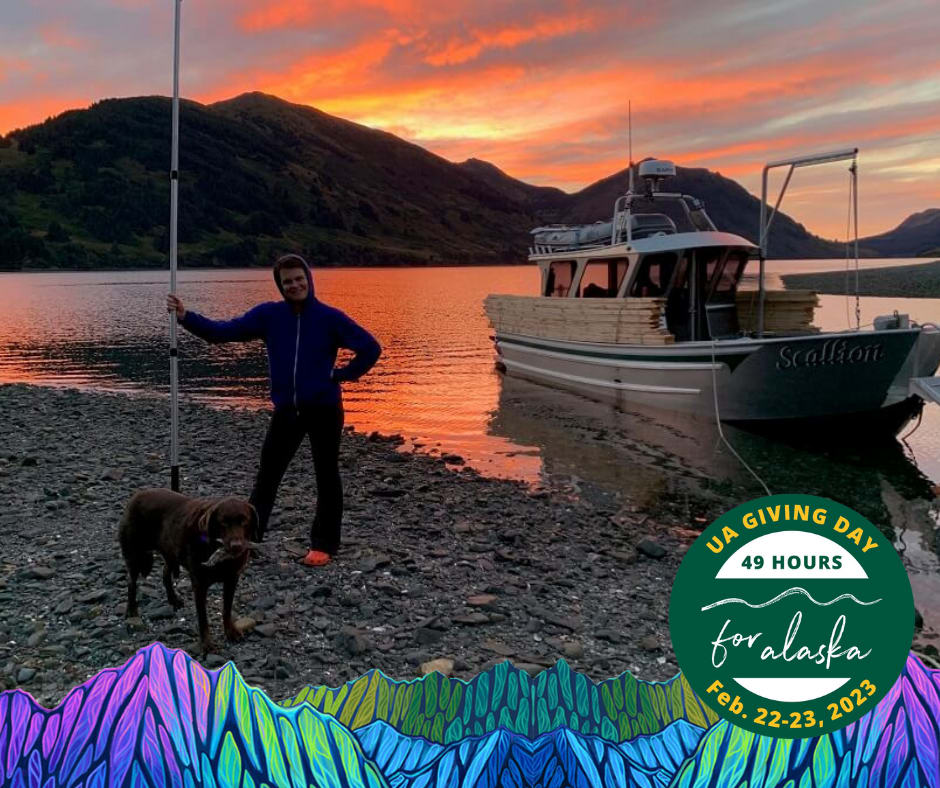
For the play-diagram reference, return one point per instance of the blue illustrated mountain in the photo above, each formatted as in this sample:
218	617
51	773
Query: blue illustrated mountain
554	760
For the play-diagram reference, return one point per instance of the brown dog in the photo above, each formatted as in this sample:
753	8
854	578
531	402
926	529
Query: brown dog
210	537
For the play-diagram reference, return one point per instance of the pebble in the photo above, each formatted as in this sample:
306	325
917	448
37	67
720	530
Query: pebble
374	562
624	556
25	675
572	650
651	549
93	596
499	647
426	636
245	624
135	624
472	619
481	600
353	641
531	668
442	665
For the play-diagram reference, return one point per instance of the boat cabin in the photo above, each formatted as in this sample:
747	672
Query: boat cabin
699	284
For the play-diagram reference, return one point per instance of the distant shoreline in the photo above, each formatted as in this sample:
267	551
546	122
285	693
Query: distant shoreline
823	287
904	281
247	266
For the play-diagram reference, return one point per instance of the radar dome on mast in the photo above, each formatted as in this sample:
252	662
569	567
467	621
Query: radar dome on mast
654	172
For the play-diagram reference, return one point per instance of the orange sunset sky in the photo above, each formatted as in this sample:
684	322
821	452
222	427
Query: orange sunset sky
539	87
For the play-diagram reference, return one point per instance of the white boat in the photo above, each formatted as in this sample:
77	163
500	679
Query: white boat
636	311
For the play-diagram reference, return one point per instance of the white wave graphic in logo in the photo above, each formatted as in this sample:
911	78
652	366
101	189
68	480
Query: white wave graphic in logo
784	595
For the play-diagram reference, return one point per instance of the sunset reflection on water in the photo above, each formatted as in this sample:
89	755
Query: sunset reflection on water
435	384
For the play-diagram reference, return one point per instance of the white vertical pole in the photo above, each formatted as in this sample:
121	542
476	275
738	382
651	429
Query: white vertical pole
858	310
174	207
762	240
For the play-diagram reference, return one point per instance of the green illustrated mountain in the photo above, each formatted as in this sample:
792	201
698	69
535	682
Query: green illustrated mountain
258	176
445	710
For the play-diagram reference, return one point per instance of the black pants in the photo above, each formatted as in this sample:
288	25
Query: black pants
323	424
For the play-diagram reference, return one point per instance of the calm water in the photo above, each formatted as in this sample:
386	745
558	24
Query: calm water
436	386
435	383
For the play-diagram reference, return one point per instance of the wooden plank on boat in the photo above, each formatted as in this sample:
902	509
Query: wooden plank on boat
784	310
606	320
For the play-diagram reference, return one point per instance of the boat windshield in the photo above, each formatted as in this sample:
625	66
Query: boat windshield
602	279
654	275
726	281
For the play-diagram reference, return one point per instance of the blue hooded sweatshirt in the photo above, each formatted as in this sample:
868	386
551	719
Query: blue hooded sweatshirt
301	346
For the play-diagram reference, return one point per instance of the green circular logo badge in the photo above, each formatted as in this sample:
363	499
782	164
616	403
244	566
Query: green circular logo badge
791	616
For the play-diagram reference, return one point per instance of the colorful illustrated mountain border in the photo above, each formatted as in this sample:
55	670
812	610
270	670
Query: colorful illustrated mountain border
162	719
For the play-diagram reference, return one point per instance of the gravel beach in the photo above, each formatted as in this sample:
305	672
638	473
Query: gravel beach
904	281
437	562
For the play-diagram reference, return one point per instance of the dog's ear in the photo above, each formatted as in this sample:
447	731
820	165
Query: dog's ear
206	517
255	522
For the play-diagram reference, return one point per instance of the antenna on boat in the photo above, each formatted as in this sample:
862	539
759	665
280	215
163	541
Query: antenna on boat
630	140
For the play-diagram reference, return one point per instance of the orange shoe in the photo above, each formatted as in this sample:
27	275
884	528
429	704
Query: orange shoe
316	558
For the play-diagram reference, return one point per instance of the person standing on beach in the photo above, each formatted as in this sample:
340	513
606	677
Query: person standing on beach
303	336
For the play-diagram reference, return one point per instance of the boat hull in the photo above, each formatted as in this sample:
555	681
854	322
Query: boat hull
822	379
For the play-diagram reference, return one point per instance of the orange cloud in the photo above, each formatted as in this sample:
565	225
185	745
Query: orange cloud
461	50
280	14
272	16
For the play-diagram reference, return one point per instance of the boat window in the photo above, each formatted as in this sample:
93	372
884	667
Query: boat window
730	274
602	280
560	276
654	275
711	259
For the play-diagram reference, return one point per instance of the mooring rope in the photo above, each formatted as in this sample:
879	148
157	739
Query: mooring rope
721	432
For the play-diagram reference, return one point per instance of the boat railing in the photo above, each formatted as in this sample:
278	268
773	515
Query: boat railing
555	248
767	214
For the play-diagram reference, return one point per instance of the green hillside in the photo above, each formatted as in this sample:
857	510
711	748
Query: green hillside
259	176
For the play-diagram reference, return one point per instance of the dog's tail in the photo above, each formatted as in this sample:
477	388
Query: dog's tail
145	563
139	562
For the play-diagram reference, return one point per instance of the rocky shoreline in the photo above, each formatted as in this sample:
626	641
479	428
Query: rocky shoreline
438	562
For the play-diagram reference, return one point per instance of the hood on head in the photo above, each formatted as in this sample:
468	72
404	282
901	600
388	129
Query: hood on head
296	258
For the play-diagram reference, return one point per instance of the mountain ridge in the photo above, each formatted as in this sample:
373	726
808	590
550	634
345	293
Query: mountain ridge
259	175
